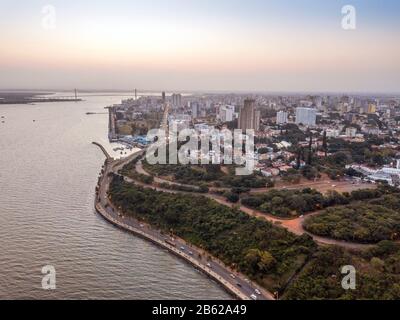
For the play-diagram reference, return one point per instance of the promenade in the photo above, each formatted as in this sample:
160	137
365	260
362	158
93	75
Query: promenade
235	283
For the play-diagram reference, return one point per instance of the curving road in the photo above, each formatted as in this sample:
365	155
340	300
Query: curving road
293	225
234	282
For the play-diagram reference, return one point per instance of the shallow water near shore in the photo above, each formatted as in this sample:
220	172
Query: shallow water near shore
48	173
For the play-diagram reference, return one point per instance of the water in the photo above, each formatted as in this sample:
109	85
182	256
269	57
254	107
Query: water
48	172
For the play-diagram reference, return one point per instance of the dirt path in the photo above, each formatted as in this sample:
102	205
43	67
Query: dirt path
293	225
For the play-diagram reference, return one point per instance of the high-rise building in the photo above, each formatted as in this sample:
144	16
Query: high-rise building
249	118
371	108
195	110
281	117
351	132
306	116
177	100
163	97
226	113
257	120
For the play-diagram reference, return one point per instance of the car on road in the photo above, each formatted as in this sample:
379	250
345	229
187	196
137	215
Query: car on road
183	248
209	265
239	285
190	253
257	291
232	276
253	296
141	225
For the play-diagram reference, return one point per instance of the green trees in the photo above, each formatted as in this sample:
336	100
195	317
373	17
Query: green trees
359	223
310	150
325	144
289	203
310	172
259	261
345	152
286	203
267	253
207	174
232	197
299	157
378	275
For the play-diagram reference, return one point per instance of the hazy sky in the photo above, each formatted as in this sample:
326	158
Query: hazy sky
260	45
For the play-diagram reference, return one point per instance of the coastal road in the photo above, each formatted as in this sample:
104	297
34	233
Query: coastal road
293	225
234	282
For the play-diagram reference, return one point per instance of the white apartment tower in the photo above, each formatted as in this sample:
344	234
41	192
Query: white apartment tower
177	100
281	117
226	113
306	116
195	110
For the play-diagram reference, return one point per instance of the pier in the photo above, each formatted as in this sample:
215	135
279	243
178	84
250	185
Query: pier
104	151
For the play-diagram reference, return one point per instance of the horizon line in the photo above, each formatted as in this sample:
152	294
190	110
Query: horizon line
202	91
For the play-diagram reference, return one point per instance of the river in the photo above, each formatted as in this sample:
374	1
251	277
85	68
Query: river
48	173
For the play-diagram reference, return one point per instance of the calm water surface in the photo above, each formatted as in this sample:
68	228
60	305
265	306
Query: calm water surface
48	172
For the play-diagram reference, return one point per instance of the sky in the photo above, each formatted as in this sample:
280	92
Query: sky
218	45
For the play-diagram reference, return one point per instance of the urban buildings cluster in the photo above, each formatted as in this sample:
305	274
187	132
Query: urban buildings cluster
351	119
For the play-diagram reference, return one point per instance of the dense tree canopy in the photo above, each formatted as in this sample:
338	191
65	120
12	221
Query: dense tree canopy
210	174
377	277
291	203
359	223
266	253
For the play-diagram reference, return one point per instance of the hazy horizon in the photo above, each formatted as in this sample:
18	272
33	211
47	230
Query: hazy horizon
125	92
202	46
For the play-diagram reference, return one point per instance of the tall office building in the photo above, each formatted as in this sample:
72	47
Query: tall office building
306	116
195	110
281	117
249	118
371	108
163	97
177	100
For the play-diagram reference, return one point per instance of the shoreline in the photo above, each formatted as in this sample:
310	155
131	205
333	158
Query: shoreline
111	166
170	248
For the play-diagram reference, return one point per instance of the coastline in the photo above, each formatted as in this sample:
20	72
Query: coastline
172	250
103	205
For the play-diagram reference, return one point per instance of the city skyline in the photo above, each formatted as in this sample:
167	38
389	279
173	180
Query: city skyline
226	46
